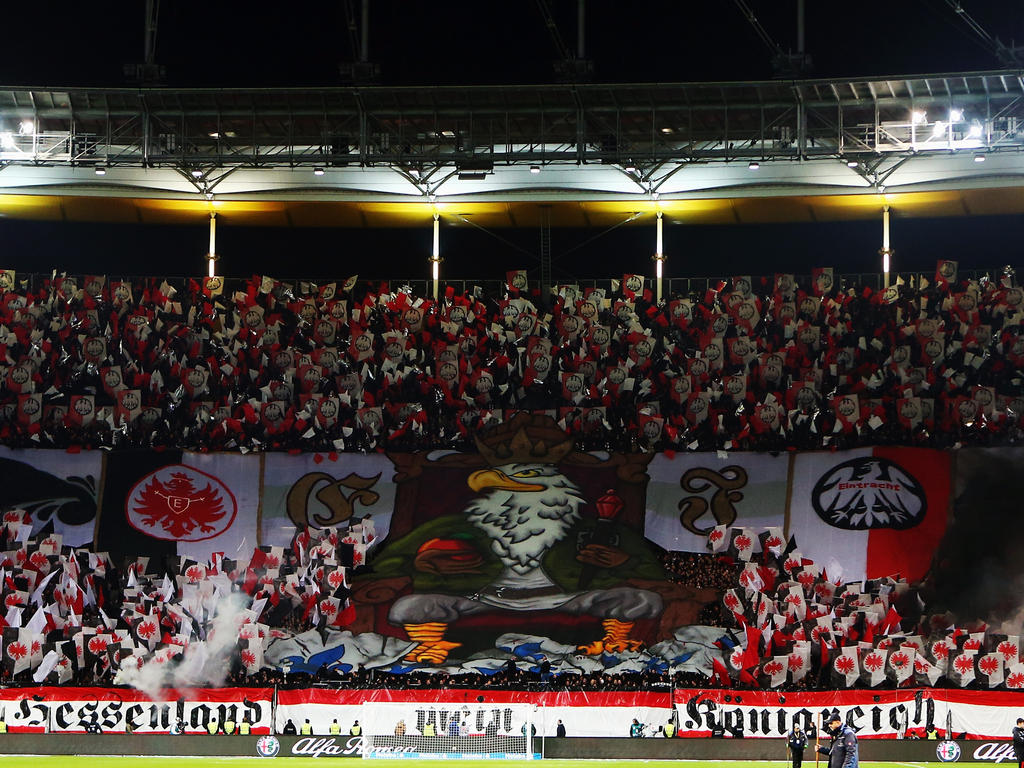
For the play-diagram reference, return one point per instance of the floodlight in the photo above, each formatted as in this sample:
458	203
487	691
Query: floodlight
939	128
666	130
851	163
101	170
918	116
318	171
7	141
26	127
979	158
974	132
630	167
215	135
754	165
956	115
197	173
534	169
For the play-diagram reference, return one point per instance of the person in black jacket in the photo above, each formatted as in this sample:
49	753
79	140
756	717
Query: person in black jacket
560	730
797	741
1018	741
289	729
842	753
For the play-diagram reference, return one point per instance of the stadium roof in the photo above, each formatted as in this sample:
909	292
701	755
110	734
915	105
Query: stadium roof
781	150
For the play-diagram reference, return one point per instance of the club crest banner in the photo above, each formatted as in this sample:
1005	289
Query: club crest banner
873	512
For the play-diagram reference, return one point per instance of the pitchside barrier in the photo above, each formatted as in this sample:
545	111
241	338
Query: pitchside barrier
892	750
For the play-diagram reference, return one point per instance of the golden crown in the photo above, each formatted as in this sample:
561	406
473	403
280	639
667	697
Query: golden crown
525	439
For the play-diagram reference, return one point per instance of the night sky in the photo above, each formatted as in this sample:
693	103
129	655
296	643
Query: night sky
468	43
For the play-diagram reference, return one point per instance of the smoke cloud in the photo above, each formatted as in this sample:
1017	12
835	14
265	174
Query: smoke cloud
978	571
204	663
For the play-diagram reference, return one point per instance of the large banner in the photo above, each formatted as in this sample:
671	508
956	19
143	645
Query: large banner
58	488
526	550
689	494
872	512
83	710
753	714
877	511
176	503
324	490
763	714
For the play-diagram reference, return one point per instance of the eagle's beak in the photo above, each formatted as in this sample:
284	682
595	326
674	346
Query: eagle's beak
492	478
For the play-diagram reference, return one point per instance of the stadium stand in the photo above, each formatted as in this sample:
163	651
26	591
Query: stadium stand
762	364
265	365
758	364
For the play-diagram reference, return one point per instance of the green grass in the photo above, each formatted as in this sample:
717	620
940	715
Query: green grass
62	761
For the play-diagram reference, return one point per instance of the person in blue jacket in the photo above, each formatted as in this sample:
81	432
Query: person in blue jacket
842	752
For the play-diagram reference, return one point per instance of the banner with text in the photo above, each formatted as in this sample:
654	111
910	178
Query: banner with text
763	714
83	710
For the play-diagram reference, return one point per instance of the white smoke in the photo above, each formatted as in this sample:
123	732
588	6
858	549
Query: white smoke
204	663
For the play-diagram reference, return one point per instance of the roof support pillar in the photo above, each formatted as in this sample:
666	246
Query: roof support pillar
886	251
659	258
435	256
211	256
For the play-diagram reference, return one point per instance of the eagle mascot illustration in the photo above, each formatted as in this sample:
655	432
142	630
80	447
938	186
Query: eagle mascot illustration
524	510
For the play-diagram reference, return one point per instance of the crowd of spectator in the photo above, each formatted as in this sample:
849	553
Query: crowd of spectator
700	570
763	364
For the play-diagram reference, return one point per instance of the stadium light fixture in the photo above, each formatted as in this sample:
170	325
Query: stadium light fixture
7	141
630	167
956	115
101	170
939	128
26	128
753	166
974	132
979	158
534	169
197	173
918	116
851	163
666	130
318	171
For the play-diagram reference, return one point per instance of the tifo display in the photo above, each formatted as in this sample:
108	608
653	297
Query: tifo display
571	538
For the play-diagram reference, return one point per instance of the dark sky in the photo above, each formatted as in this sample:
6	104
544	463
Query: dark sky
220	43
459	42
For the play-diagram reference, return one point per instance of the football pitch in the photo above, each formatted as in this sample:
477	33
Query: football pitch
92	761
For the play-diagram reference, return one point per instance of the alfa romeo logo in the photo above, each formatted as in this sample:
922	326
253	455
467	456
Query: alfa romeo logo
869	492
948	751
267	746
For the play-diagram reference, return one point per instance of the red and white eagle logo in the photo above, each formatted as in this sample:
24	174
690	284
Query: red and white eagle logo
180	503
